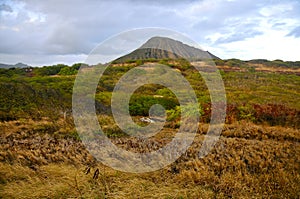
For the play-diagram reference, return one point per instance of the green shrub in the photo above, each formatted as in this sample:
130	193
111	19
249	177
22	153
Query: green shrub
68	71
140	105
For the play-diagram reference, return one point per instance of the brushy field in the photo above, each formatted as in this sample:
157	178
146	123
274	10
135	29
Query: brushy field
257	155
249	161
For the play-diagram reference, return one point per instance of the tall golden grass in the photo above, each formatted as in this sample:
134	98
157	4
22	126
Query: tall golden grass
249	161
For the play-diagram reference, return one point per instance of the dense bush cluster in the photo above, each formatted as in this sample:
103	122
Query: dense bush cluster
271	114
140	105
35	98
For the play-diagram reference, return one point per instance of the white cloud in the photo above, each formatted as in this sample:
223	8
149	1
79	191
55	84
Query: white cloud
240	29
271	45
42	59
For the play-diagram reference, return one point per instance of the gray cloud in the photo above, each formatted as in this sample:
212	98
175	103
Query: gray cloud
167	3
79	28
295	32
239	36
237	30
4	7
279	24
227	18
56	27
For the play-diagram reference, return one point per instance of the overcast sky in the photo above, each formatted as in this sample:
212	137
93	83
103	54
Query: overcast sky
40	32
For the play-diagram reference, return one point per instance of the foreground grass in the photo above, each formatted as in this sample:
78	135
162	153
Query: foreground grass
249	161
67	181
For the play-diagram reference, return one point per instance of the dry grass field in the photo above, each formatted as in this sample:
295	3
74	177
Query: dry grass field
249	161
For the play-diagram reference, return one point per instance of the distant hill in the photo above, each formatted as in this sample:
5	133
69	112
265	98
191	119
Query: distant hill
166	48
18	65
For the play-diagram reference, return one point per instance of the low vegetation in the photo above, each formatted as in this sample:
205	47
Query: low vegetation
257	155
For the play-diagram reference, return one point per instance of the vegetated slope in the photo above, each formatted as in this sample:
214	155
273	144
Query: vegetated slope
166	48
259	65
39	147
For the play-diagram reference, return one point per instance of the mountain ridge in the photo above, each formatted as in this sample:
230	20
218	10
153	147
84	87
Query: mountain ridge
17	65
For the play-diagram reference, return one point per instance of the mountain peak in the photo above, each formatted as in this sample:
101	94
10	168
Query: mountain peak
21	65
18	65
166	48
